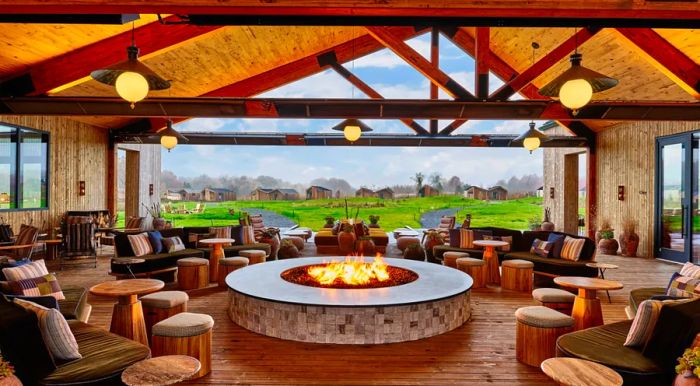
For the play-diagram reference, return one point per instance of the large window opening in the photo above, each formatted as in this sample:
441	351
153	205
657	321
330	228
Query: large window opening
24	176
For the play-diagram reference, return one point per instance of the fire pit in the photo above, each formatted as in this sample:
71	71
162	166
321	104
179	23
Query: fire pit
283	299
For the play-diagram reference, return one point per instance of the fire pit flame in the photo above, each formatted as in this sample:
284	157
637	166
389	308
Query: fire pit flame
353	271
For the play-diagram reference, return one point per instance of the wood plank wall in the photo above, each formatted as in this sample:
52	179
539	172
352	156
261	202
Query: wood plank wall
78	152
142	169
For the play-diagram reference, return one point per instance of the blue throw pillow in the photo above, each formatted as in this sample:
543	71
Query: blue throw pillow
156	240
557	242
541	248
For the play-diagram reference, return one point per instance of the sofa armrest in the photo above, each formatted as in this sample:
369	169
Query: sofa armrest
46	301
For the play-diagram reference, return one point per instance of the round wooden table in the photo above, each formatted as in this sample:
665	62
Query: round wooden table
601	267
128	262
216	254
580	372
491	259
127	315
587	311
51	248
161	371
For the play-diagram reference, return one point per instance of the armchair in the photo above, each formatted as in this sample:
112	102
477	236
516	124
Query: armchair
23	245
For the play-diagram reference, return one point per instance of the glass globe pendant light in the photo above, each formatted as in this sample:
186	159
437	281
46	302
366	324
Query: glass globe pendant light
170	137
352	129
531	139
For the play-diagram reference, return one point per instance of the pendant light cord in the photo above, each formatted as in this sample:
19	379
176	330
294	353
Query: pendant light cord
575	40
133	32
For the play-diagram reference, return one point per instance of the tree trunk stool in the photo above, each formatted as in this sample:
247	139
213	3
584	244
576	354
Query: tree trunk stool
517	275
476	268
403	242
555	298
192	273
185	334
536	331
254	256
449	259
229	265
297	241
162	305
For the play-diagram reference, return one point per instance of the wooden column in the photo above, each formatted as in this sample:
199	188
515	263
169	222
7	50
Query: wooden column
570	224
591	192
132	184
111	175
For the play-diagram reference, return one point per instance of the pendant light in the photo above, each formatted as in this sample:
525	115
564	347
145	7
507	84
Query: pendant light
575	87
131	78
352	129
531	139
170	137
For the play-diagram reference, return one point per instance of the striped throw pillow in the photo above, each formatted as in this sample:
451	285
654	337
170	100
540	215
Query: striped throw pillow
57	335
173	244
690	270
644	322
466	238
541	248
247	234
140	244
38	286
26	271
221	232
684	287
572	248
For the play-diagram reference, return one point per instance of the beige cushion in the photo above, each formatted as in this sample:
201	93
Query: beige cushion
469	262
252	253
27	271
192	261
237	261
449	259
164	299
553	295
543	317
184	324
517	263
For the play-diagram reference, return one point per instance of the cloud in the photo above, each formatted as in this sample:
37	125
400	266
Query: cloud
201	124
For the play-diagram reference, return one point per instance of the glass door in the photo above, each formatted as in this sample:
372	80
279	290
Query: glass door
673	187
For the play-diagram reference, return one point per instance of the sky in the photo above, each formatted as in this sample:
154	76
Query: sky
361	166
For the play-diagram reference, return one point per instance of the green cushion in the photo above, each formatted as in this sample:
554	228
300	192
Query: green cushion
105	355
639	295
73	306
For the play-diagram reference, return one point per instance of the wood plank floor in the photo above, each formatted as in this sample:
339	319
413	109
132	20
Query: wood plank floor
481	352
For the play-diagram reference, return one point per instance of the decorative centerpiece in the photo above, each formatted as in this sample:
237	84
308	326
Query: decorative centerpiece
688	368
346	239
154	211
547	224
330	221
607	244
629	239
373	221
7	374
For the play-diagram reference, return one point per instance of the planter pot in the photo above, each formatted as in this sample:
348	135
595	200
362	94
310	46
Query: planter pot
629	244
159	223
686	379
288	252
327	225
414	253
428	245
365	248
373	225
10	381
346	243
608	246
274	243
547	226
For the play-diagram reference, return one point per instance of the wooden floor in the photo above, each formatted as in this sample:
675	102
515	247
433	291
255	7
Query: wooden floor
480	352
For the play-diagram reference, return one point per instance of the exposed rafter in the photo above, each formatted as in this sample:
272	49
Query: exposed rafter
482	50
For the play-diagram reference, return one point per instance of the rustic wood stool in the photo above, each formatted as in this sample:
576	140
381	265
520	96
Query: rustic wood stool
476	268
185	334
555	298
254	256
517	275
229	265
536	331
449	259
162	305
192	273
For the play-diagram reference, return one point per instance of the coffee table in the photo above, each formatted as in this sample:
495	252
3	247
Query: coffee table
216	254
580	372
601	269
127	315
298	233
161	371
491	258
587	311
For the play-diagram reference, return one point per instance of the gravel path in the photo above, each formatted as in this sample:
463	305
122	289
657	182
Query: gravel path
432	219
272	219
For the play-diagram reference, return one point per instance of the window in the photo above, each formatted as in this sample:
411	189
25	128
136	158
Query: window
24	177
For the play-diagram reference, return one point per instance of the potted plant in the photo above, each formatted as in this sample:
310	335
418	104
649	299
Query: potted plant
287	250
432	238
688	368
547	224
604	225
467	223
629	239
414	251
607	244
155	212
7	374
330	220
373	221
365	246
271	236
346	239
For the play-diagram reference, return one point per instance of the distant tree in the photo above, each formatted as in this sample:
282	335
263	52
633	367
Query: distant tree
454	184
187	185
418	179
436	181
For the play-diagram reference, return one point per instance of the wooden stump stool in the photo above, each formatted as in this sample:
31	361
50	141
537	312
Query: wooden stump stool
536	331
403	242
254	256
192	273
555	298
162	305
185	334
476	268
229	265
449	259
517	275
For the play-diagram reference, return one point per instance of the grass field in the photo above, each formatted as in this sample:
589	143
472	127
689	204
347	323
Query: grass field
512	214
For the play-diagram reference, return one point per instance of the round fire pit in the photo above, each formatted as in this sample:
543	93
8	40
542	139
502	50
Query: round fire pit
434	302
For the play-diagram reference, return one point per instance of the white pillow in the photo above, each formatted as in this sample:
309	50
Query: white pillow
690	270
58	337
26	271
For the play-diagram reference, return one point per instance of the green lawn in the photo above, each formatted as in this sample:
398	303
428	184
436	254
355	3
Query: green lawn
512	214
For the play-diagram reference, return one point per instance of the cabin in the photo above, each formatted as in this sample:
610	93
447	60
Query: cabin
168	195
428	191
263	194
218	194
476	193
365	192
190	194
318	193
497	193
385	194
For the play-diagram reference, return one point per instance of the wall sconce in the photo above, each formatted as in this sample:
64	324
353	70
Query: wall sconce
150	189
551	192
621	193
81	188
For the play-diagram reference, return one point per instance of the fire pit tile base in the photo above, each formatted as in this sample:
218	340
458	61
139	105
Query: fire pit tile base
349	325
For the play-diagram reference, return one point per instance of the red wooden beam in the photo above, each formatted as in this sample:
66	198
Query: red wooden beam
481	57
435	61
77	64
546	62
454	125
417	61
665	57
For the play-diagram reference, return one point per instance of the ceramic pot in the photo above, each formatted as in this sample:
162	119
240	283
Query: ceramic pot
365	247
288	252
608	246
428	245
10	381
373	225
686	379
629	244
547	226
159	223
274	243
346	243
414	253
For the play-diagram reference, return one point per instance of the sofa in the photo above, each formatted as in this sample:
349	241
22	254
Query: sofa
326	239
675	330
520	249
105	355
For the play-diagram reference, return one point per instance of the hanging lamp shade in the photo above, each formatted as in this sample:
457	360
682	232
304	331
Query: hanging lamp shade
169	137
352	129
576	86
531	139
131	78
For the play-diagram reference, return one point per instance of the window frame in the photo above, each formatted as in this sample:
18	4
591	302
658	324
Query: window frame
18	172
